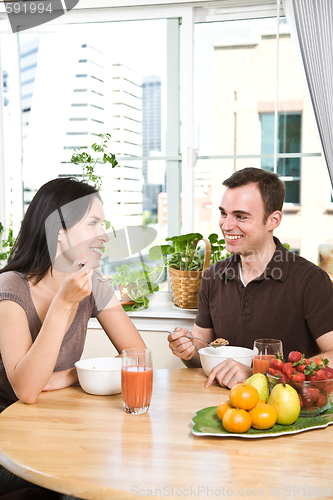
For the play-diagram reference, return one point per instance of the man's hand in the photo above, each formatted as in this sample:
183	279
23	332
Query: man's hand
181	346
228	373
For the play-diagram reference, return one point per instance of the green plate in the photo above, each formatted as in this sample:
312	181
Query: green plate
207	423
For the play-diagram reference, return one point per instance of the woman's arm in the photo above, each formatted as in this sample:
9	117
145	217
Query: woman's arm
29	365
62	379
118	326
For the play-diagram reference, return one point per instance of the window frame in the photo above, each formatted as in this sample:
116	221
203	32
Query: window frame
181	153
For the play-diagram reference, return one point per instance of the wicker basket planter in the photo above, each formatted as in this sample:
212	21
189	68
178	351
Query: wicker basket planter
185	284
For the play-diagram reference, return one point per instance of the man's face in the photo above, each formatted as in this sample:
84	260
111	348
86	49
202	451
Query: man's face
242	220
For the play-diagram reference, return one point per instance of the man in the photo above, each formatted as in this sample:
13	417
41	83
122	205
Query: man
262	290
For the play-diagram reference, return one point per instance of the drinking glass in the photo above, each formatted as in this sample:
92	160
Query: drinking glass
136	380
263	351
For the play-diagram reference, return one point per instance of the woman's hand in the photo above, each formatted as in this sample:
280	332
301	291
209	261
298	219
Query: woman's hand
76	286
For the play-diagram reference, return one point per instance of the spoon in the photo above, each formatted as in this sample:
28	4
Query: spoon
105	278
216	343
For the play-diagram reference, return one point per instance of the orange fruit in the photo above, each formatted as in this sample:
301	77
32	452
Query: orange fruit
222	408
244	396
261	402
263	416
236	420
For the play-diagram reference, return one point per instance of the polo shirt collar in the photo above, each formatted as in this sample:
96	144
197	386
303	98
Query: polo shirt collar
277	268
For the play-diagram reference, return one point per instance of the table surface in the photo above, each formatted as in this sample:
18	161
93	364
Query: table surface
87	446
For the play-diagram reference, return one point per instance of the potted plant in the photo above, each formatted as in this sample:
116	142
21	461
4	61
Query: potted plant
135	285
186	264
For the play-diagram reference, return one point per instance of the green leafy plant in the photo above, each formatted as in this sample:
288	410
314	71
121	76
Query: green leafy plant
88	163
7	244
138	283
183	252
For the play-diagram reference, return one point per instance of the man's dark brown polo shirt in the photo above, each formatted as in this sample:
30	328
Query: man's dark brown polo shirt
291	301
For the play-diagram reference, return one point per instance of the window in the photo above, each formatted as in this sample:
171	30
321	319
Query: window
226	108
98	86
236	87
289	141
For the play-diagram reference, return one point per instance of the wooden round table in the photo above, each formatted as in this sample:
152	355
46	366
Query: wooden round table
87	446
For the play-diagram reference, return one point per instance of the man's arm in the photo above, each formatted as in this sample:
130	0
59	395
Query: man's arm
325	344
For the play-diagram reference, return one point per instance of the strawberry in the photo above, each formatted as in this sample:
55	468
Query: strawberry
300	400
303	363
321	361
328	372
276	363
288	369
316	376
309	396
274	373
298	376
328	387
321	400
294	356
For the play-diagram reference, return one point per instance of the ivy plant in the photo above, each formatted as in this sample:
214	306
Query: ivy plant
88	163
6	244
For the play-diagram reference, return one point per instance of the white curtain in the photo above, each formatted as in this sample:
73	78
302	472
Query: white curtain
311	28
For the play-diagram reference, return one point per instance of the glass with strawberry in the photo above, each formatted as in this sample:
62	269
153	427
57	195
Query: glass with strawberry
313	381
264	350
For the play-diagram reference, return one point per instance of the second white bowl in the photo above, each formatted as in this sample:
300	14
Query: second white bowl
212	356
100	376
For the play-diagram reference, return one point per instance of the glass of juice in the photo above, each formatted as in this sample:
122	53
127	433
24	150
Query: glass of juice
263	351
136	380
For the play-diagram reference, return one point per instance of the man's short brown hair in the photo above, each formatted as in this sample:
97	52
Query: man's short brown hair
271	188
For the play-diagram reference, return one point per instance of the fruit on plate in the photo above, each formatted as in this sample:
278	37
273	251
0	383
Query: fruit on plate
313	380
285	400
236	420
259	381
294	356
263	416
223	408
277	362
243	396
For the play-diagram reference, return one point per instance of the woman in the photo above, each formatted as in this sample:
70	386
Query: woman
49	290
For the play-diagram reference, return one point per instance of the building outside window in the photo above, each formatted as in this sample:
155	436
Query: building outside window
289	141
227	107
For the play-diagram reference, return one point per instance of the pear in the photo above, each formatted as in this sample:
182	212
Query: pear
259	381
285	400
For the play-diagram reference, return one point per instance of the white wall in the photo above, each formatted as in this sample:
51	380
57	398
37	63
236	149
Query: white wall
98	345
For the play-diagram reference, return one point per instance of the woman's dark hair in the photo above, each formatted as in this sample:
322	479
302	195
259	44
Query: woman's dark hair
271	188
50	210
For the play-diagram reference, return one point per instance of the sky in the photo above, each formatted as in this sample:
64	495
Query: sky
141	45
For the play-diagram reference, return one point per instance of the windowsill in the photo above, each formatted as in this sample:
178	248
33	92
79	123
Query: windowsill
329	210
291	209
161	315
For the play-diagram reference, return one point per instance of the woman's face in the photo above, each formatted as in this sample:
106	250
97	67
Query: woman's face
85	240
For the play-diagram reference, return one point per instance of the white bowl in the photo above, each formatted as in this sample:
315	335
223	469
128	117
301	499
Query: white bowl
100	376
212	356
